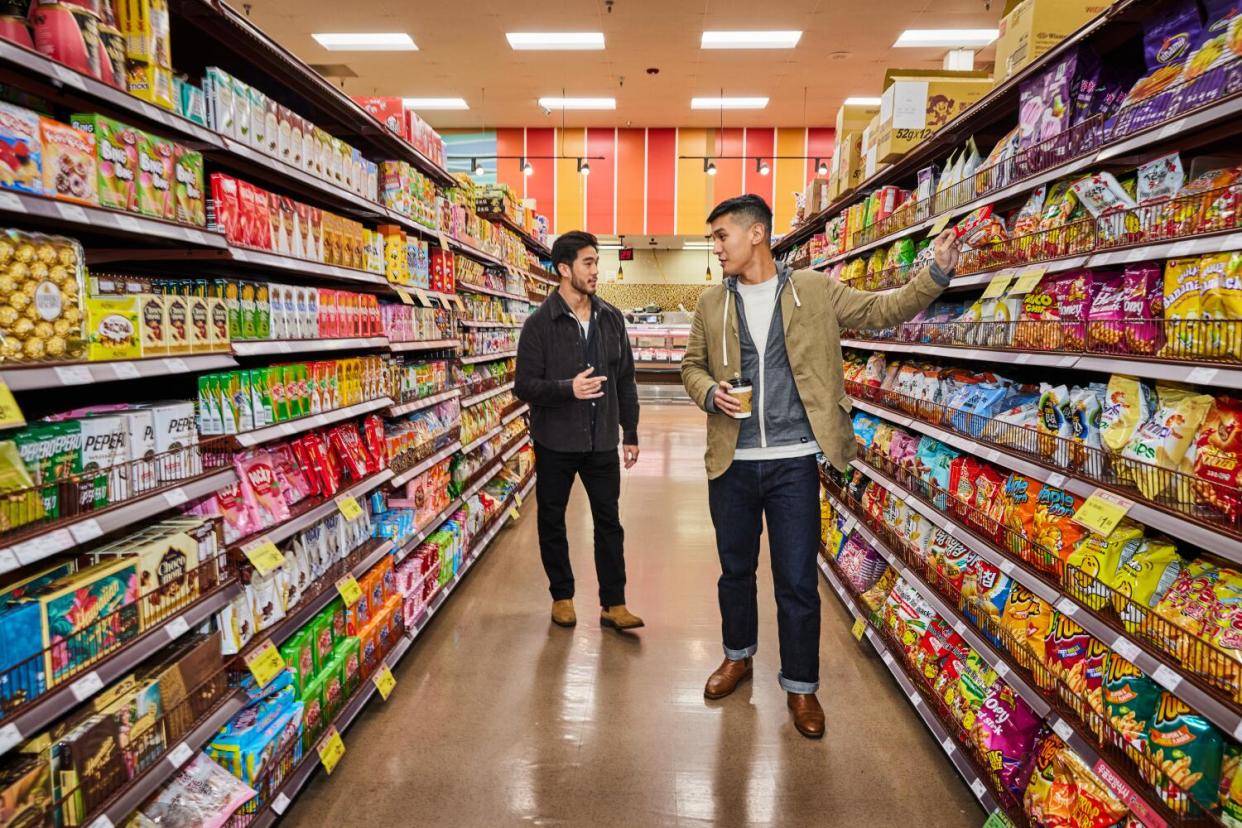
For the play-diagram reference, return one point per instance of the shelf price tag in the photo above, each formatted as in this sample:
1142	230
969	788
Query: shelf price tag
349	589
860	627
1027	280
513	512
997	286
517	498
10	413
265	663
938	227
423	299
331	748
404	296
997	819
264	555
349	507
1102	511
384	681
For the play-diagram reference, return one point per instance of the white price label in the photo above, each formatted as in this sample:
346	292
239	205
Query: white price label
175	497
1056	480
1138	255
191	235
1067	361
10	737
284	347
1006	565
35	549
155	114
177	628
992	455
1237	732
959	627
176	365
979	788
11	202
1166	678
71	212
950	529
68	77
1063	729
8	561
86	530
1184	248
127	223
125	370
240	255
101	821
73	374
1126	648
916	699
280	803
179	755
1067	607
887	658
87	686
949	745
1002	669
1022	359
1201	376
1172	128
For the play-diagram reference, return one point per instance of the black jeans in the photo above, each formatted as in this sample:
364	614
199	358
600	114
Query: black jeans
601	476
787	491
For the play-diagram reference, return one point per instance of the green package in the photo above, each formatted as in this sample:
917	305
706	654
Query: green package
17	509
248	328
312	708
278	392
321	640
297	654
262	311
156	169
350	652
191	207
228	412
230	291
52	452
1180	738
209	420
239	384
289	378
334	694
1130	701
340	627
261	398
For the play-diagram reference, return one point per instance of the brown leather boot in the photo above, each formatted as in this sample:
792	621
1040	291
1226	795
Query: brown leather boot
619	618
563	614
808	716
727	677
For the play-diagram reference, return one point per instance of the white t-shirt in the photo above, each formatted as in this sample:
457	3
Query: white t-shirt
759	304
585	324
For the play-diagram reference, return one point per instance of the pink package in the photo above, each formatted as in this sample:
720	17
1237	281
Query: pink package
238	521
1143	308
293	483
1005	729
261	488
903	447
1105	328
1075	308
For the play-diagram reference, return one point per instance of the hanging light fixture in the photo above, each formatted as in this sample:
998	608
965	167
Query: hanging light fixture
821	166
709	167
477	166
525	166
583	167
620	273
707	273
762	167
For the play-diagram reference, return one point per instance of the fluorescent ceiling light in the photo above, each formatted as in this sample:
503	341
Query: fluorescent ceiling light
365	41
946	38
555	40
578	103
728	103
434	103
862	101
750	40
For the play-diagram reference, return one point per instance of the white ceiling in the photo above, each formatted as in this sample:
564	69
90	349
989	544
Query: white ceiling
845	49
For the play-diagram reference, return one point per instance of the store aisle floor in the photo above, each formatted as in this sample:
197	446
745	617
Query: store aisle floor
499	718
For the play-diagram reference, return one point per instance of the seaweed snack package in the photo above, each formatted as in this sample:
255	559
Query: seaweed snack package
1162	441
1143	309
1106	327
1147	571
1054	423
1127	405
1005	731
1218	457
1160	179
260	488
1130	701
1188	606
1220	304
1189	750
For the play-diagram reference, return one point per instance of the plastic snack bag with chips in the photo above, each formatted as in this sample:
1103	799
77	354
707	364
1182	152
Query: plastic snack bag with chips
1189	750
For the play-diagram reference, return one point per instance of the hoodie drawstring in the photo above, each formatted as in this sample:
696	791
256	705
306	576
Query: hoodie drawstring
794	288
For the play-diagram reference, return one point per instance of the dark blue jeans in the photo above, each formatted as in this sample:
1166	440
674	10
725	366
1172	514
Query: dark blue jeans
787	491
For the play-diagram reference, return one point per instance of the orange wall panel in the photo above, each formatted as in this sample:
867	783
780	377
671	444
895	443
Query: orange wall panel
601	183
788	176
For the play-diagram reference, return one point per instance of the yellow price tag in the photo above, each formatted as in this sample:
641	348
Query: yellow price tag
517	498
265	663
938	227
10	414
461	306
404	296
443	239
1027	281
1102	511
384	681
349	507
264	555
422	297
331	748
860	627
349	589
513	512
997	286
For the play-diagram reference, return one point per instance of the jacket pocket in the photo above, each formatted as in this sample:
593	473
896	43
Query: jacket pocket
846	404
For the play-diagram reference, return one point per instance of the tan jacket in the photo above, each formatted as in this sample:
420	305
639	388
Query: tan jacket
813	314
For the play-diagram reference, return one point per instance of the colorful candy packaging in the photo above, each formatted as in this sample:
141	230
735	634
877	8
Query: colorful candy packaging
1005	731
260	488
1094	667
1128	404
1143	309
238	520
293	483
1218	457
1066	653
1188	749
1130	701
1106	327
1146	572
1160	444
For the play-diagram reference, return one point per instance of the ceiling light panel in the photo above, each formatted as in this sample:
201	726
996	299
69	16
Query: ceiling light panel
750	40
557	41
435	103
945	38
578	103
728	103
860	101
365	41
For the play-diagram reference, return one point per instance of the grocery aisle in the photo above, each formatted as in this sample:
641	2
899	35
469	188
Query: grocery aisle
501	719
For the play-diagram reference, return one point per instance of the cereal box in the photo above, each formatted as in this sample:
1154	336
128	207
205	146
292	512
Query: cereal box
69	171
190	206
156	163
112	323
20	150
116	154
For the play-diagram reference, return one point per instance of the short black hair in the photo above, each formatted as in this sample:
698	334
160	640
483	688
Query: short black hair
749	206
567	246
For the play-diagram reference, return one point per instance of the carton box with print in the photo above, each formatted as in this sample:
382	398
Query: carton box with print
1029	28
388	111
156	170
116	156
916	103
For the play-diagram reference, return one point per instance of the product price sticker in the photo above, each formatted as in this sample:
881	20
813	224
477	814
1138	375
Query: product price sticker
73	374
10	413
125	370
179	755
87	686
938	226
1063	729
176	628
68	77
996	287
517	498
349	507
331	748
11	203
1027	281
384	681
1102	511
404	296
1166	678
350	591
10	737
1056	480
513	512
979	788
72	212
265	663
948	745
860	627
263	555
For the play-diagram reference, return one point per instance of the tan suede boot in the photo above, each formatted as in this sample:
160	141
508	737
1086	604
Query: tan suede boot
619	618
563	614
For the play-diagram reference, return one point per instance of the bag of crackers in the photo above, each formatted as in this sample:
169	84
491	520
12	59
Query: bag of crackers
41	286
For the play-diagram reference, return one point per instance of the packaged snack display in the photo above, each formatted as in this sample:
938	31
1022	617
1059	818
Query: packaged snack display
42	284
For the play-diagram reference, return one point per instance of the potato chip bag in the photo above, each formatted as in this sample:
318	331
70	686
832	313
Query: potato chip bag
1130	701
1094	666
1066	653
1075	309
985	587
1147	571
1220	304
1054	424
1091	568
1218	457
1085	413
874	597
1143	309
1188	605
1160	179
1106	327
1005	731
1224	628
1129	403
974	681
1159	444
1182	309
1048	745
949	558
1189	750
1094	804
1230	761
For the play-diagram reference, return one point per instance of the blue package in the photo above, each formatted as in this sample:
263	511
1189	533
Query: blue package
22	675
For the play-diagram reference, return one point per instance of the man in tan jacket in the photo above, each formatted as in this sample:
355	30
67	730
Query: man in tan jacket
779	331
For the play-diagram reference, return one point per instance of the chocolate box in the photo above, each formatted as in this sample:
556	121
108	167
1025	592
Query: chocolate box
69	163
116	157
70	609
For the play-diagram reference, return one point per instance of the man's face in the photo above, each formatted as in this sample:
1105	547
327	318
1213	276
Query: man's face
584	272
734	240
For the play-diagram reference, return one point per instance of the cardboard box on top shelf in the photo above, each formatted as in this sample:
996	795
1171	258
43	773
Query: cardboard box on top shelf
850	163
854	118
918	102
867	148
388	111
1029	28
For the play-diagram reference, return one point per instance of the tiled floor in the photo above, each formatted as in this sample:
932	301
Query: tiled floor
501	719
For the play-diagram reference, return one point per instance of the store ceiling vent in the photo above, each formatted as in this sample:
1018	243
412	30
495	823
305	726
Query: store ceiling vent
334	70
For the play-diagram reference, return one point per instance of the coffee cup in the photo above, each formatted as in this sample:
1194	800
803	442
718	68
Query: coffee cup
742	390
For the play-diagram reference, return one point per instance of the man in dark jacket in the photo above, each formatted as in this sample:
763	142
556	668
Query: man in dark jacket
576	369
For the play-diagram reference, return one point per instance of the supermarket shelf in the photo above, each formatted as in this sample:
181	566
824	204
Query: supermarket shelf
408	545
470	323
301	424
509	452
486	395
977	786
71	693
307	346
410	474
973	354
540	278
80	218
471	360
1196	246
474	444
91	525
316	513
122	806
474	252
50	375
1164	672
514	414
466	286
419	405
530	241
306	267
425	345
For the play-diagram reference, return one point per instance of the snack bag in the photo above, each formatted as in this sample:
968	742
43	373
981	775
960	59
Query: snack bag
1020	605
1162	441
1182	308
986	587
1146	572
1005	731
1142	307
1066	653
1189	750
974	680
1220	304
1224	628
1054	423
1188	606
1035	800
1091	568
1106	327
1038	327
1075	309
1130	701
1085	413
1129	403
1093	803
1160	179
260	488
1218	457
1094	666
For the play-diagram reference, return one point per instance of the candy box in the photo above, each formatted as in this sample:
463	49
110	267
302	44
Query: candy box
321	641
21	156
178	308
150	82
297	653
199	328
116	152
156	169
190	207
112	323
70	608
388	111
69	171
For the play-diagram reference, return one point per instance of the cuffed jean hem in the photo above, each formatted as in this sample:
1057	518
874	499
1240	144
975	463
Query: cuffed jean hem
803	687
738	655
